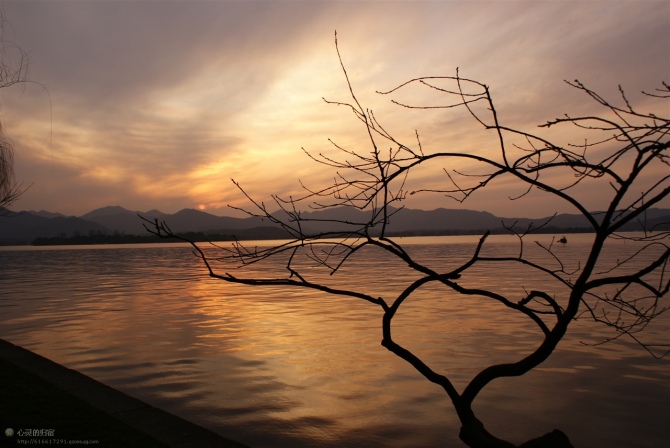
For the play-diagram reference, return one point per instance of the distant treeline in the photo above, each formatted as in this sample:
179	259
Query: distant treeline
199	237
498	231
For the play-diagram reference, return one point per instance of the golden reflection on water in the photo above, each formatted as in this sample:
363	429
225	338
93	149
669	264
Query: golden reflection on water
277	367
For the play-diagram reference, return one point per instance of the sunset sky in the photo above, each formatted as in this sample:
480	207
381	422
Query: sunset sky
158	104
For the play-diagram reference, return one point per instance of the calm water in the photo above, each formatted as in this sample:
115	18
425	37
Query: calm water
273	367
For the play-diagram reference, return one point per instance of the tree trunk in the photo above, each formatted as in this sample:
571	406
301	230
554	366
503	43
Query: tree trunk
554	439
474	435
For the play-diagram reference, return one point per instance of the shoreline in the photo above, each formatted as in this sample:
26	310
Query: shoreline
166	428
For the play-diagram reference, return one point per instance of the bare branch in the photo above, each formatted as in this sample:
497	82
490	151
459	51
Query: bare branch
625	151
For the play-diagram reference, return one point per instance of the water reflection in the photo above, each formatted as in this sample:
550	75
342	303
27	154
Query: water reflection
272	367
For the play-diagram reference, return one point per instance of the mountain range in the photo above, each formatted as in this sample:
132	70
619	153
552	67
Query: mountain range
24	227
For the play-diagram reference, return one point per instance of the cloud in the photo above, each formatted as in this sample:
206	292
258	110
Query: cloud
162	102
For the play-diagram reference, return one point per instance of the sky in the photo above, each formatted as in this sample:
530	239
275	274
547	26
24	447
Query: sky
159	104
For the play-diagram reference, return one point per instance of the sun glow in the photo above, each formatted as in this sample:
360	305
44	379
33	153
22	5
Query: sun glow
241	101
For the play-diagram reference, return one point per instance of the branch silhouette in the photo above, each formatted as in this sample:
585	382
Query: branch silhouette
629	152
13	70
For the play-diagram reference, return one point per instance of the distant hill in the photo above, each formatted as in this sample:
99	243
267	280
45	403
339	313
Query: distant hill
24	227
454	221
186	220
46	214
118	219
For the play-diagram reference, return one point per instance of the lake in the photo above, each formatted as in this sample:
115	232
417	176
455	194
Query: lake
277	367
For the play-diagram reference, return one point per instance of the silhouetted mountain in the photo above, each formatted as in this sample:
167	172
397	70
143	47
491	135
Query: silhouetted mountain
110	210
46	214
190	220
442	220
433	222
156	213
655	224
118	219
24	227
